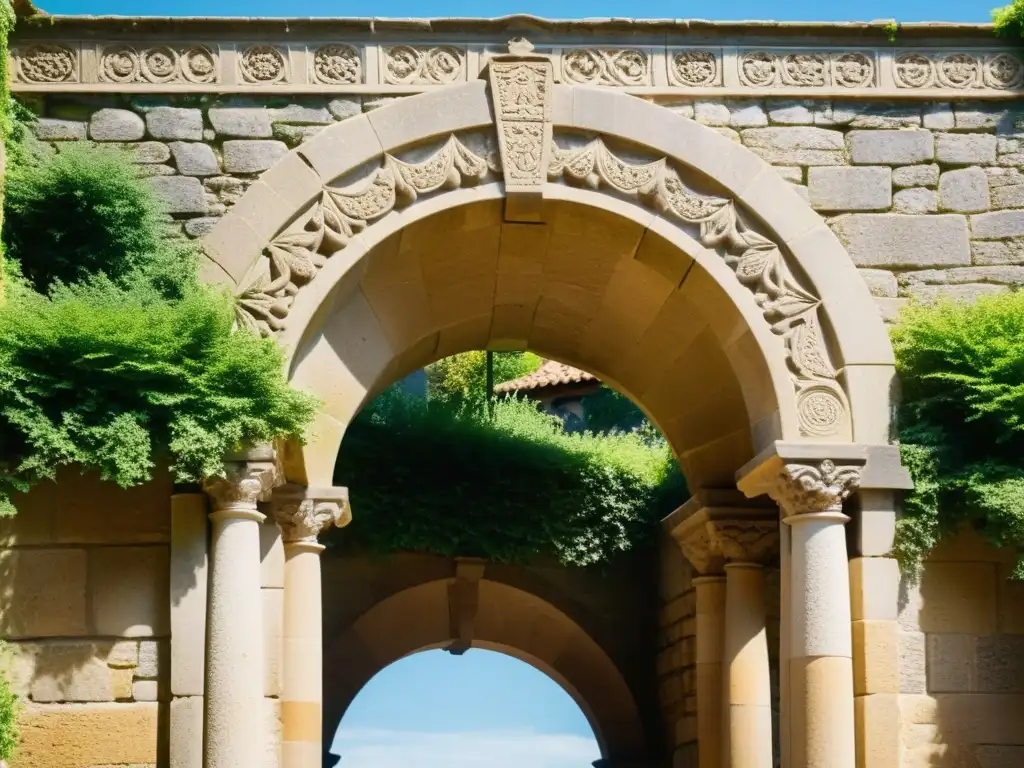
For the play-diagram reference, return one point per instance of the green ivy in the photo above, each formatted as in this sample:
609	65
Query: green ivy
1009	19
9	708
113	355
427	476
961	367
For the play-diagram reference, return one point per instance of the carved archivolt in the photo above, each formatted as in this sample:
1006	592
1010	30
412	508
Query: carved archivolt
792	311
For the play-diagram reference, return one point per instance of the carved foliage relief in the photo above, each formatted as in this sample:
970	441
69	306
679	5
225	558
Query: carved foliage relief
336	65
763	69
48	64
159	64
263	64
523	110
960	71
423	65
599	66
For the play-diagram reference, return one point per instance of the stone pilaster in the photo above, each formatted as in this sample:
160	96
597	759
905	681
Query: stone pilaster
810	488
303	514
233	735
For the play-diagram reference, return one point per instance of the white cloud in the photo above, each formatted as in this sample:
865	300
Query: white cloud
382	748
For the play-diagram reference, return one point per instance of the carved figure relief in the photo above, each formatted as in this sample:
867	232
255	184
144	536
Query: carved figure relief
48	64
853	70
159	64
791	310
422	65
336	65
694	69
761	69
263	64
295	258
593	66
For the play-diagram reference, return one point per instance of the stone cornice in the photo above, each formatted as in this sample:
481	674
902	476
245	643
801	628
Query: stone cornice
646	57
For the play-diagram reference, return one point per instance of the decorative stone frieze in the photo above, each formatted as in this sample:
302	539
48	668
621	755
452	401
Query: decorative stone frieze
304	513
422	64
161	64
601	66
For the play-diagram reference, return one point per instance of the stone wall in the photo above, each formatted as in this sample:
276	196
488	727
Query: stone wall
961	648
84	609
928	198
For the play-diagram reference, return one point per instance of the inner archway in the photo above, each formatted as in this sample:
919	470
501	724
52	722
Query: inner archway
438	710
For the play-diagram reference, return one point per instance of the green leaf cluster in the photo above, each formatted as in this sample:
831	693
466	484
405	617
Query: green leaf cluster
9	708
461	379
1009	19
113	355
430	476
961	366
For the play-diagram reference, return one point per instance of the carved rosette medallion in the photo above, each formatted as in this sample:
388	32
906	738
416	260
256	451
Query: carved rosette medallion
48	64
159	64
422	65
807	70
263	64
521	89
1003	71
913	70
959	70
791	310
199	65
853	70
814	486
694	69
598	66
759	69
336	65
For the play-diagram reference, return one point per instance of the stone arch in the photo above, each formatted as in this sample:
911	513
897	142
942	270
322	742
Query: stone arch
507	619
748	304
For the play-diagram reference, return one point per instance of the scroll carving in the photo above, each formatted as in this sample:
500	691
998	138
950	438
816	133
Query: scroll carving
340	213
598	66
791	310
814	486
303	520
159	64
423	65
243	485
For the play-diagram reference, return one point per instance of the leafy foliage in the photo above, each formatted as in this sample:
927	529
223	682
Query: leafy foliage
460	379
112	354
962	371
1009	19
427	475
8	715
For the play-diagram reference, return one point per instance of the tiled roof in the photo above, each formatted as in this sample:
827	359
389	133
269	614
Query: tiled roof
550	374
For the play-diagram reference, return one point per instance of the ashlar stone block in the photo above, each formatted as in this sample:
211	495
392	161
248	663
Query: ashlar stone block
252	156
796	145
915	200
194	158
964	191
53	129
241	122
915	176
891	147
175	123
997	225
130	591
116	125
88	735
180	194
850	189
44	593
880	282
965	148
894	240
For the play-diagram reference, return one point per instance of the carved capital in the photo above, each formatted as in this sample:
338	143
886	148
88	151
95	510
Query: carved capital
248	478
304	513
711	536
815	487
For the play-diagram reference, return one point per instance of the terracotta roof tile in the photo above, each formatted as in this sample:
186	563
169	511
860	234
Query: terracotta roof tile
550	374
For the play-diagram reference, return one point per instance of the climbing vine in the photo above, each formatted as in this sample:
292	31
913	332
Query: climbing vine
961	367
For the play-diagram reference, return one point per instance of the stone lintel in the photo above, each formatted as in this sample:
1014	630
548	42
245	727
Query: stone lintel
718	527
303	513
463	602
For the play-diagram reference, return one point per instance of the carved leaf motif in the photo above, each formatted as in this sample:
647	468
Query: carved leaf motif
807	350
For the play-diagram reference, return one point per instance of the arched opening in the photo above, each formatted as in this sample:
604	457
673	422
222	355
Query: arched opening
433	709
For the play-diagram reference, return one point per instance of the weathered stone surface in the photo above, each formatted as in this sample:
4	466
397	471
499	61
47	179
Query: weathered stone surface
1004	275
913	669
252	156
795	175
297	114
343	107
965	148
974	117
991	756
993	252
747	114
915	200
795	113
992	226
88	735
52	129
730	133
130	591
180	194
228	189
116	125
148	152
371	103
871	116
293	135
964	191
796	146
199	227
951	663
1000	664
146	690
850	189
893	240
61	670
124	655
1006	187
44	593
151	653
154	169
939	117
879	282
890	147
194	158
915	176
241	122
175	123
711	113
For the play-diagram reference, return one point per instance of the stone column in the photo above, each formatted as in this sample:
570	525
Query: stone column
233	732
303	514
810	492
747	679
710	705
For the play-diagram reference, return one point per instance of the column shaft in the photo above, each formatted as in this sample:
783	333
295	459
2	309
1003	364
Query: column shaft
821	664
233	731
302	691
747	681
710	702
785	643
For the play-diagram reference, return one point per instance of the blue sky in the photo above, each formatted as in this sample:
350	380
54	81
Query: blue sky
478	710
791	10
